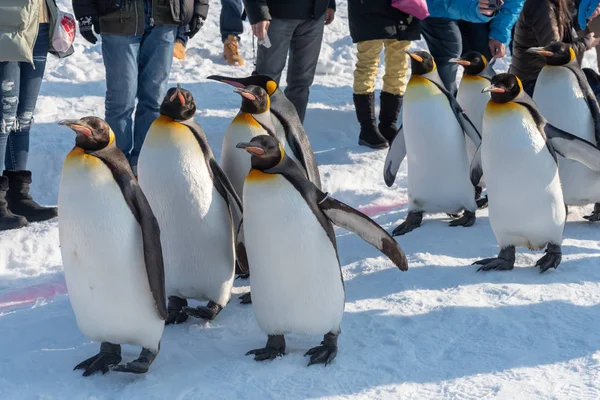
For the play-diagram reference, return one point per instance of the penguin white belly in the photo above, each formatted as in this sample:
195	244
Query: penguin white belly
101	247
195	223
296	281
438	168
235	162
562	102
471	99
525	198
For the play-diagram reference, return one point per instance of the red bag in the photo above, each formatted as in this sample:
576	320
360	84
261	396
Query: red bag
64	32
416	8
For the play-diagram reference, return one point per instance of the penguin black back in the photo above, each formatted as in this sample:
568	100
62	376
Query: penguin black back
178	104
93	133
504	88
421	62
255	99
265	150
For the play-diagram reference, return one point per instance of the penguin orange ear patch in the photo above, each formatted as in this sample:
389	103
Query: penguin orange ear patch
271	87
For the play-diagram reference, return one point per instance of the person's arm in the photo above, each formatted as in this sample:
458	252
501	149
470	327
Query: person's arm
466	10
201	8
84	8
501	26
330	12
257	11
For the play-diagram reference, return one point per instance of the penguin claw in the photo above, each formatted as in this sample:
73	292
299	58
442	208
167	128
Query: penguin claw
482	202
321	354
176	317
98	363
135	367
246	298
549	260
266	353
595	217
209	312
489	264
412	222
468	219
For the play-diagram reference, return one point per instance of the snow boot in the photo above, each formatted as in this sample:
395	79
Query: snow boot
365	113
231	51
179	50
388	115
19	200
8	220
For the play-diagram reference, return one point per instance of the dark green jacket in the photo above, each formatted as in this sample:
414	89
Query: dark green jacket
377	19
265	10
126	17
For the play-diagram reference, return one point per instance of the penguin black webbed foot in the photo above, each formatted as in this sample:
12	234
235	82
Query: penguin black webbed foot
326	352
139	366
595	216
412	222
482	202
209	312
468	219
175	311
246	298
110	354
275	348
504	262
551	259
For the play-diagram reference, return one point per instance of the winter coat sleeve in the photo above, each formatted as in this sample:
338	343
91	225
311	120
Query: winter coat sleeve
501	26
201	8
83	8
257	10
331	4
466	10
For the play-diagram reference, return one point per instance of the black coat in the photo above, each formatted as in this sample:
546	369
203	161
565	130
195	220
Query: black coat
377	19
126	17
265	10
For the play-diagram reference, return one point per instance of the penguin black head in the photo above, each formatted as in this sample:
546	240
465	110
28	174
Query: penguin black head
504	88
421	62
556	53
178	104
265	150
263	81
473	62
93	133
255	99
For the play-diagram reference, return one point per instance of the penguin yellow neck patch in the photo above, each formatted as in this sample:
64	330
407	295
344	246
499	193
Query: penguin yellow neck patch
259	176
494	108
78	155
245	119
572	54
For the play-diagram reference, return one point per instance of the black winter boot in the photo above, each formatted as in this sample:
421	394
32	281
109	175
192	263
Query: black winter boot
19	200
365	113
8	220
388	115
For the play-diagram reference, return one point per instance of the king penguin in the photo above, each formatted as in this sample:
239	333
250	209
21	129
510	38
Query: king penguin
566	100
296	281
518	155
194	202
477	75
288	128
111	251
438	165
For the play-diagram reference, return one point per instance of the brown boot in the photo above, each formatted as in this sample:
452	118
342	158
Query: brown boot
230	51
179	50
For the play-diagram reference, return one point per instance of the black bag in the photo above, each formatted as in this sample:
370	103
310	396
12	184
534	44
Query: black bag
108	6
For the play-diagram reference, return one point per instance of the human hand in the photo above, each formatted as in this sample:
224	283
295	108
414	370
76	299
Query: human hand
497	48
593	40
329	16
595	13
87	26
260	29
195	24
484	8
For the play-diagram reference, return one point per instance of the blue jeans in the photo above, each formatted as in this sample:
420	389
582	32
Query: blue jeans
231	18
21	84
181	37
136	67
444	41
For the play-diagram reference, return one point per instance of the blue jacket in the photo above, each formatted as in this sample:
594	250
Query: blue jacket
468	10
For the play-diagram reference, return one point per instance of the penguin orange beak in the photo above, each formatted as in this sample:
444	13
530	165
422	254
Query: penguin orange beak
78	126
179	95
460	61
493	89
250	148
236	82
245	93
414	56
541	51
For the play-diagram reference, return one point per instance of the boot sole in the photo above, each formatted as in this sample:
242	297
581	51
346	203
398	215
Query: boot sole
373	146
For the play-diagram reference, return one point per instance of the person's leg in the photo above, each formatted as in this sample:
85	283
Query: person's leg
367	65
304	56
394	86
475	37
271	61
231	19
444	42
154	68
19	178
120	55
10	73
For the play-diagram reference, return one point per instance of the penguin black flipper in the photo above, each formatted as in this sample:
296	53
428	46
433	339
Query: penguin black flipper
220	179
593	79
573	147
476	168
394	158
590	97
465	123
114	159
328	211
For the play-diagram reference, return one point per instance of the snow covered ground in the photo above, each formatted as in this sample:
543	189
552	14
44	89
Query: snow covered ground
439	330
